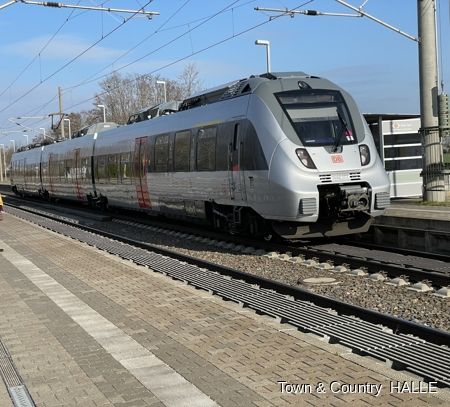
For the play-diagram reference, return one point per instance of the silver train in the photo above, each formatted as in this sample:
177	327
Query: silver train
281	153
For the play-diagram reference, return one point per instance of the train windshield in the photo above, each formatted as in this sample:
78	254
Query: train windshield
320	117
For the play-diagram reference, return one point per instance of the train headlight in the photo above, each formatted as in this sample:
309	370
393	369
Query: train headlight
305	158
364	154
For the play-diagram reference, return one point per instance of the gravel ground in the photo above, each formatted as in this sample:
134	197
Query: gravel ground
424	308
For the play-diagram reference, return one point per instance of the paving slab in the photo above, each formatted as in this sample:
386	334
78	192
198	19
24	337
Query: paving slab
87	328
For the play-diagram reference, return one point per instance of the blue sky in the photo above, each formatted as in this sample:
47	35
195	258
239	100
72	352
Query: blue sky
377	66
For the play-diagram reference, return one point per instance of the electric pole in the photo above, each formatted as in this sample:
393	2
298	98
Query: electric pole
61	114
433	163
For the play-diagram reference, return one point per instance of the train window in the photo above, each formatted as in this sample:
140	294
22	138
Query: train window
102	175
182	150
319	117
53	168
161	153
405	164
235	136
85	170
206	149
113	168
69	170
223	141
125	168
62	171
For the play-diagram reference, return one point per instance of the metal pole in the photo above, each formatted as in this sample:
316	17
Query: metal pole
266	43
70	129
104	112
360	11
433	177
2	164
4	160
165	90
61	114
81	7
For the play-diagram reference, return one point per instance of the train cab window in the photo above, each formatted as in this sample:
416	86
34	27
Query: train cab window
182	150
206	149
161	153
319	117
113	172
125	168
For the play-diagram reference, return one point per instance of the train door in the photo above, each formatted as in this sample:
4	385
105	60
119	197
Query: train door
236	174
140	164
78	175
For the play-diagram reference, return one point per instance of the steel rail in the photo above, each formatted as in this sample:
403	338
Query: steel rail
416	274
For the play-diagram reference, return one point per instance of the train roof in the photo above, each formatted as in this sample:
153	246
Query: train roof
237	88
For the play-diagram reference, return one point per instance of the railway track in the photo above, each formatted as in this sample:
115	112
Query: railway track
404	344
405	266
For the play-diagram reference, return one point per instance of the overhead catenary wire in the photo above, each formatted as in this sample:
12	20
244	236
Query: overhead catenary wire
38	55
90	80
94	79
70	61
182	58
85	81
220	42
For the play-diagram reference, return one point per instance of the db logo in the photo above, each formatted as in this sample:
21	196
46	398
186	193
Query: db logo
337	159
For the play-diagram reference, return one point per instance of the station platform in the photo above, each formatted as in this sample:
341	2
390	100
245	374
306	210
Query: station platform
407	208
85	328
408	225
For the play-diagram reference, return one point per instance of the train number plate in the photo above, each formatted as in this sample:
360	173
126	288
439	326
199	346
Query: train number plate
337	159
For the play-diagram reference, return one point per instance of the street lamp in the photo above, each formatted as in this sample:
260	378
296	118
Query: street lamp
267	45
70	130
104	112
43	130
165	90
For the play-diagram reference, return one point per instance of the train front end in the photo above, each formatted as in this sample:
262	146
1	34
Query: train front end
325	173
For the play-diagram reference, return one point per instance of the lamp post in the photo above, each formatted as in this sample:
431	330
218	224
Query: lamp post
2	163
165	90
267	45
70	130
104	112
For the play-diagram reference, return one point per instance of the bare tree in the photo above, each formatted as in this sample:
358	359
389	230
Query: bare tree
189	80
124	95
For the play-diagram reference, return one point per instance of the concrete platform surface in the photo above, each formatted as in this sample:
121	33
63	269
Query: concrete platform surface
85	328
408	209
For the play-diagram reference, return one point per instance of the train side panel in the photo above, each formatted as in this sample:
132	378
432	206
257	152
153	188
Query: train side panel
26	173
66	169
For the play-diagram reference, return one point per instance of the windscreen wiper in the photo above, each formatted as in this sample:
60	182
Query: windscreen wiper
345	129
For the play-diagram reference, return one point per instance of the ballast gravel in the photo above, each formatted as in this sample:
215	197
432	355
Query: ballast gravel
424	308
